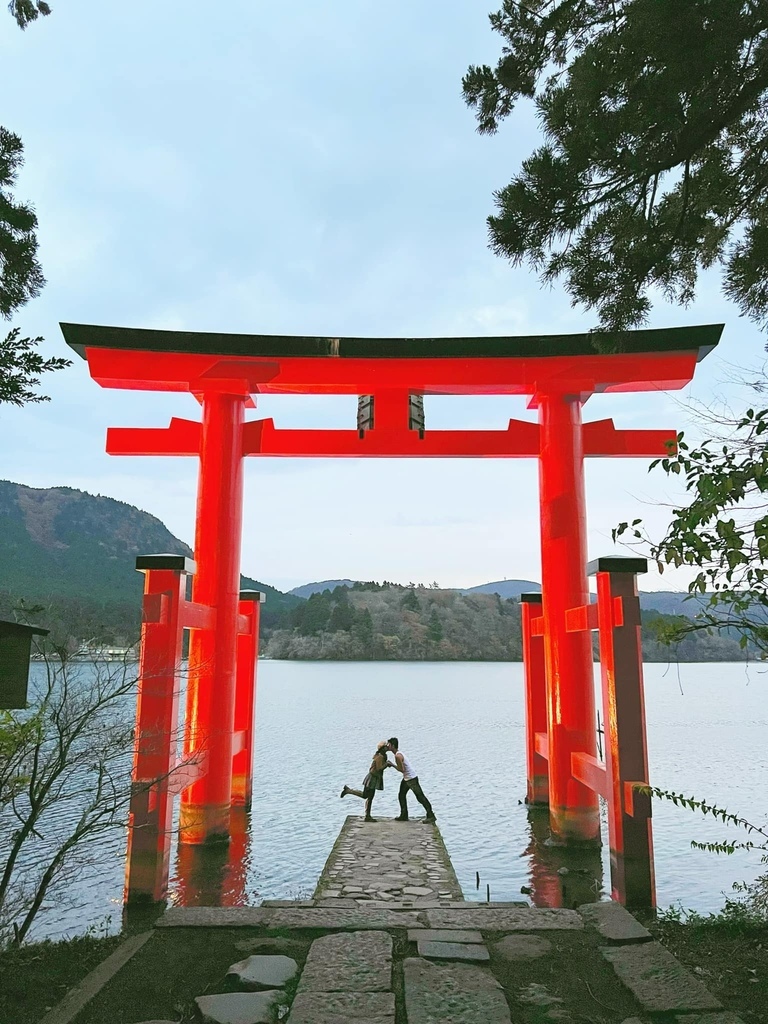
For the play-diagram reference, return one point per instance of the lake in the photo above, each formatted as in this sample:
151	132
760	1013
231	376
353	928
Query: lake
461	724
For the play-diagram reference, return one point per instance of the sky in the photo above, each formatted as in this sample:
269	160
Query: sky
302	168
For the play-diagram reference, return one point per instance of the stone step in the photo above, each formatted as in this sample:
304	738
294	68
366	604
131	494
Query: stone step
263	971
349	962
452	994
657	980
239	1007
614	922
343	1008
513	919
453	951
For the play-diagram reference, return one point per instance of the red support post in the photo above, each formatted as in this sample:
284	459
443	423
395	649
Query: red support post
205	806
245	697
157	720
391	409
537	769
629	813
570	690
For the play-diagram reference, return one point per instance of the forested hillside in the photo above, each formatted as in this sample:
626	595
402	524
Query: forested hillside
389	622
72	555
67	562
378	622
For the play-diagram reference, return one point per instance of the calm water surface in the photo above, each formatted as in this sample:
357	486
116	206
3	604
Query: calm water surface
462	727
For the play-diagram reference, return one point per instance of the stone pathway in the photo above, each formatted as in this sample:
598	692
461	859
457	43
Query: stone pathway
390	862
346	978
400	944
465	963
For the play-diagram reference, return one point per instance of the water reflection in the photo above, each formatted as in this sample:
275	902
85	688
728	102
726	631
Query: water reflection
560	876
214	875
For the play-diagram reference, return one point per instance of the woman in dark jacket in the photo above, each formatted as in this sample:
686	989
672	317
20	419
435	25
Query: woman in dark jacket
373	780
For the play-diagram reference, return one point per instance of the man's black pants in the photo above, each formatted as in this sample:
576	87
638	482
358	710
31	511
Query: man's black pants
418	792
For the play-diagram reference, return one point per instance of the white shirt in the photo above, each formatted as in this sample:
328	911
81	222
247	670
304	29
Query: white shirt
408	769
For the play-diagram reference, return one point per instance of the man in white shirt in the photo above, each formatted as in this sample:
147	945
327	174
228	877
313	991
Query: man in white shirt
410	781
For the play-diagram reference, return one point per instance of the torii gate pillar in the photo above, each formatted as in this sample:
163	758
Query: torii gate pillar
573	808
210	717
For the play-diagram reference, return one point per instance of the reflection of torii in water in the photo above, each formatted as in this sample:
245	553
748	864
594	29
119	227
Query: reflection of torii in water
558	374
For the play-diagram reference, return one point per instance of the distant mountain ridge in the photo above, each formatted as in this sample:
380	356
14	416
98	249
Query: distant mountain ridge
60	541
308	589
668	602
506	588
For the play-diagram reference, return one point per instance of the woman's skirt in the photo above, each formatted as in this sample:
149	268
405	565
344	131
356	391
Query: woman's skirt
374	780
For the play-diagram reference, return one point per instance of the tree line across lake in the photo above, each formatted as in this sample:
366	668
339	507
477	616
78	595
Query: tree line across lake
371	622
389	622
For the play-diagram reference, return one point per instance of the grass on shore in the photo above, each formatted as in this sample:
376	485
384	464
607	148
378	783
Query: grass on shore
161	981
728	951
35	977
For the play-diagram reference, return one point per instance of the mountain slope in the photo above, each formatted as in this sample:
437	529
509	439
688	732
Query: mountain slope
58	542
386	622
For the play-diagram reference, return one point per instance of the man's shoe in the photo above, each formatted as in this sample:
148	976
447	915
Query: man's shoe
430	818
370	819
401	818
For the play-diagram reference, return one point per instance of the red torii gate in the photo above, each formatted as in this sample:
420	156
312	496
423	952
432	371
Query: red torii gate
558	373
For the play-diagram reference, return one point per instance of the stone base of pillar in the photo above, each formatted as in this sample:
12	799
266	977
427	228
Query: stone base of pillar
200	823
538	791
242	790
572	826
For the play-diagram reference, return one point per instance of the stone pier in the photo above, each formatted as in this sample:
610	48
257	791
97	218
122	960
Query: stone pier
393	863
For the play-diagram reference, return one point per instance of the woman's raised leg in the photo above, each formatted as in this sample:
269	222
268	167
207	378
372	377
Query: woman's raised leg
348	791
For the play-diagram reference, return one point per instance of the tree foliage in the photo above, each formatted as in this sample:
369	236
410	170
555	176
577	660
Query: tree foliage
21	276
20	368
654	163
26	11
435	627
722	532
653	167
